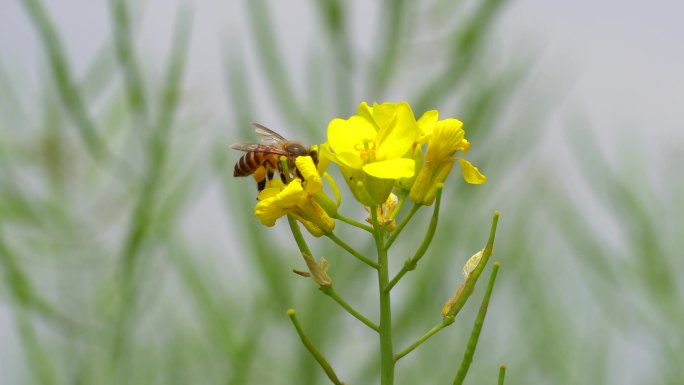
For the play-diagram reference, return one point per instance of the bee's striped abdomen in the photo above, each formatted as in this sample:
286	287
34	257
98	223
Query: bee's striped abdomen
248	163
251	161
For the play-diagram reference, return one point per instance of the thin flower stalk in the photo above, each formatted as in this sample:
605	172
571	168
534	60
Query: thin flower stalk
411	263
386	353
351	251
327	368
446	321
354	223
401	226
330	292
477	328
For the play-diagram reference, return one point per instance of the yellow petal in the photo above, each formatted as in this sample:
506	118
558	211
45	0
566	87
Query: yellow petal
323	160
391	169
401	130
445	140
292	195
366	112
349	135
470	173
349	160
427	124
312	181
268	193
268	212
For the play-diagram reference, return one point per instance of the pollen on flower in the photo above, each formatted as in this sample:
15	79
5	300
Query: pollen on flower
366	150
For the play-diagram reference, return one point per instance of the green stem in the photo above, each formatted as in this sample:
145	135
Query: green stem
70	94
127	60
411	263
477	328
446	321
386	354
299	238
351	251
502	374
401	226
313	350
354	223
330	292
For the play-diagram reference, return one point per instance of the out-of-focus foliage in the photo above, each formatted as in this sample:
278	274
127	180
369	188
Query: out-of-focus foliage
104	283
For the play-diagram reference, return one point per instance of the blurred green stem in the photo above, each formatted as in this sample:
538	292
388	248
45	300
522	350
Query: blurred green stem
411	263
313	350
35	354
69	91
386	359
144	210
127	60
387	62
270	58
502	374
477	328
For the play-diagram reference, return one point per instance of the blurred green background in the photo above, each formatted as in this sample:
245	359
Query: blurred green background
130	255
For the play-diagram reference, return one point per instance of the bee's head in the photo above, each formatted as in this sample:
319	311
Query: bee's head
296	149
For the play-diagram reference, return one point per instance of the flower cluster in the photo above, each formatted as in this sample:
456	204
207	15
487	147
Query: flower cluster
381	149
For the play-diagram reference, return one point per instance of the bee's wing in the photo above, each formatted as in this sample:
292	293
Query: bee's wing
258	147
267	135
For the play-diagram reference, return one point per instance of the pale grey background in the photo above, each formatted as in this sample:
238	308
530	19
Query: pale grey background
618	62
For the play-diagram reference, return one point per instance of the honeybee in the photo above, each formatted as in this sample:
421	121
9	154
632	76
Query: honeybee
263	159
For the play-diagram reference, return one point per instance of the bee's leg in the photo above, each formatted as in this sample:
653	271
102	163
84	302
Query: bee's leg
260	177
269	174
299	174
282	173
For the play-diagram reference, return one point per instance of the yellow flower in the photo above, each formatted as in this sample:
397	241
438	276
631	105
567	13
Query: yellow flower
426	125
445	140
370	149
298	199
